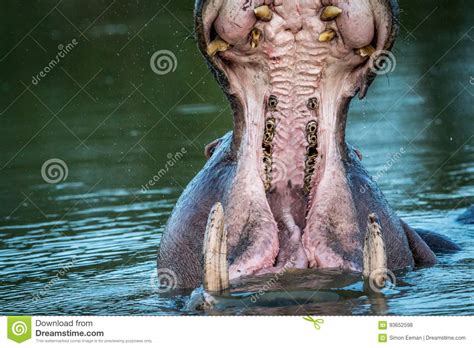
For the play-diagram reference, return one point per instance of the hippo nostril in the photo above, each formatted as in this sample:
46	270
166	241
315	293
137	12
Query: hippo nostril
272	102
312	103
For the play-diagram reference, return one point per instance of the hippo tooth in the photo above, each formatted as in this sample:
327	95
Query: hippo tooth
256	36
327	35
216	271
366	51
375	256
217	45
330	12
263	13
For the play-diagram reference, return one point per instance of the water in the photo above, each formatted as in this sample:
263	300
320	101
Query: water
87	245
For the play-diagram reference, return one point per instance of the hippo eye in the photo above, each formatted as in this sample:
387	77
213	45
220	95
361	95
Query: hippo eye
272	101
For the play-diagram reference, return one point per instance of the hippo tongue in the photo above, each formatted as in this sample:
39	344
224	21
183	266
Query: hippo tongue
290	69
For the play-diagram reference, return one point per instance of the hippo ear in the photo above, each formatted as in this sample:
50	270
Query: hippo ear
381	60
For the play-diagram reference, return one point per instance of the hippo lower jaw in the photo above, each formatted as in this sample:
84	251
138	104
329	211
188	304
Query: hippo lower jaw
293	192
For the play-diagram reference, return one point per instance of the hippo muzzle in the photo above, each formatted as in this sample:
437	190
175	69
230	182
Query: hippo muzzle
293	193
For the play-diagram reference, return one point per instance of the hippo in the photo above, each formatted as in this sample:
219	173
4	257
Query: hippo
284	190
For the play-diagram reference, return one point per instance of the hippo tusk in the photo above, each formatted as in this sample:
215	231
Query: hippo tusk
256	36
330	12
375	256
366	51
216	270
263	13
217	45
327	35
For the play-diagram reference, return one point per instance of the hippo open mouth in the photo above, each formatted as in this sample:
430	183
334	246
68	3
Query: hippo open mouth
293	192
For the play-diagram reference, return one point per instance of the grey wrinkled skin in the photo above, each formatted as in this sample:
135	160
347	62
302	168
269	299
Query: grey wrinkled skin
324	231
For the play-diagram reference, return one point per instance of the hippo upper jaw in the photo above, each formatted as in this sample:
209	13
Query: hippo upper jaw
290	69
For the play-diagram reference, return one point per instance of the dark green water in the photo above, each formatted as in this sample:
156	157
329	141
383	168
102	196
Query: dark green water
87	245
